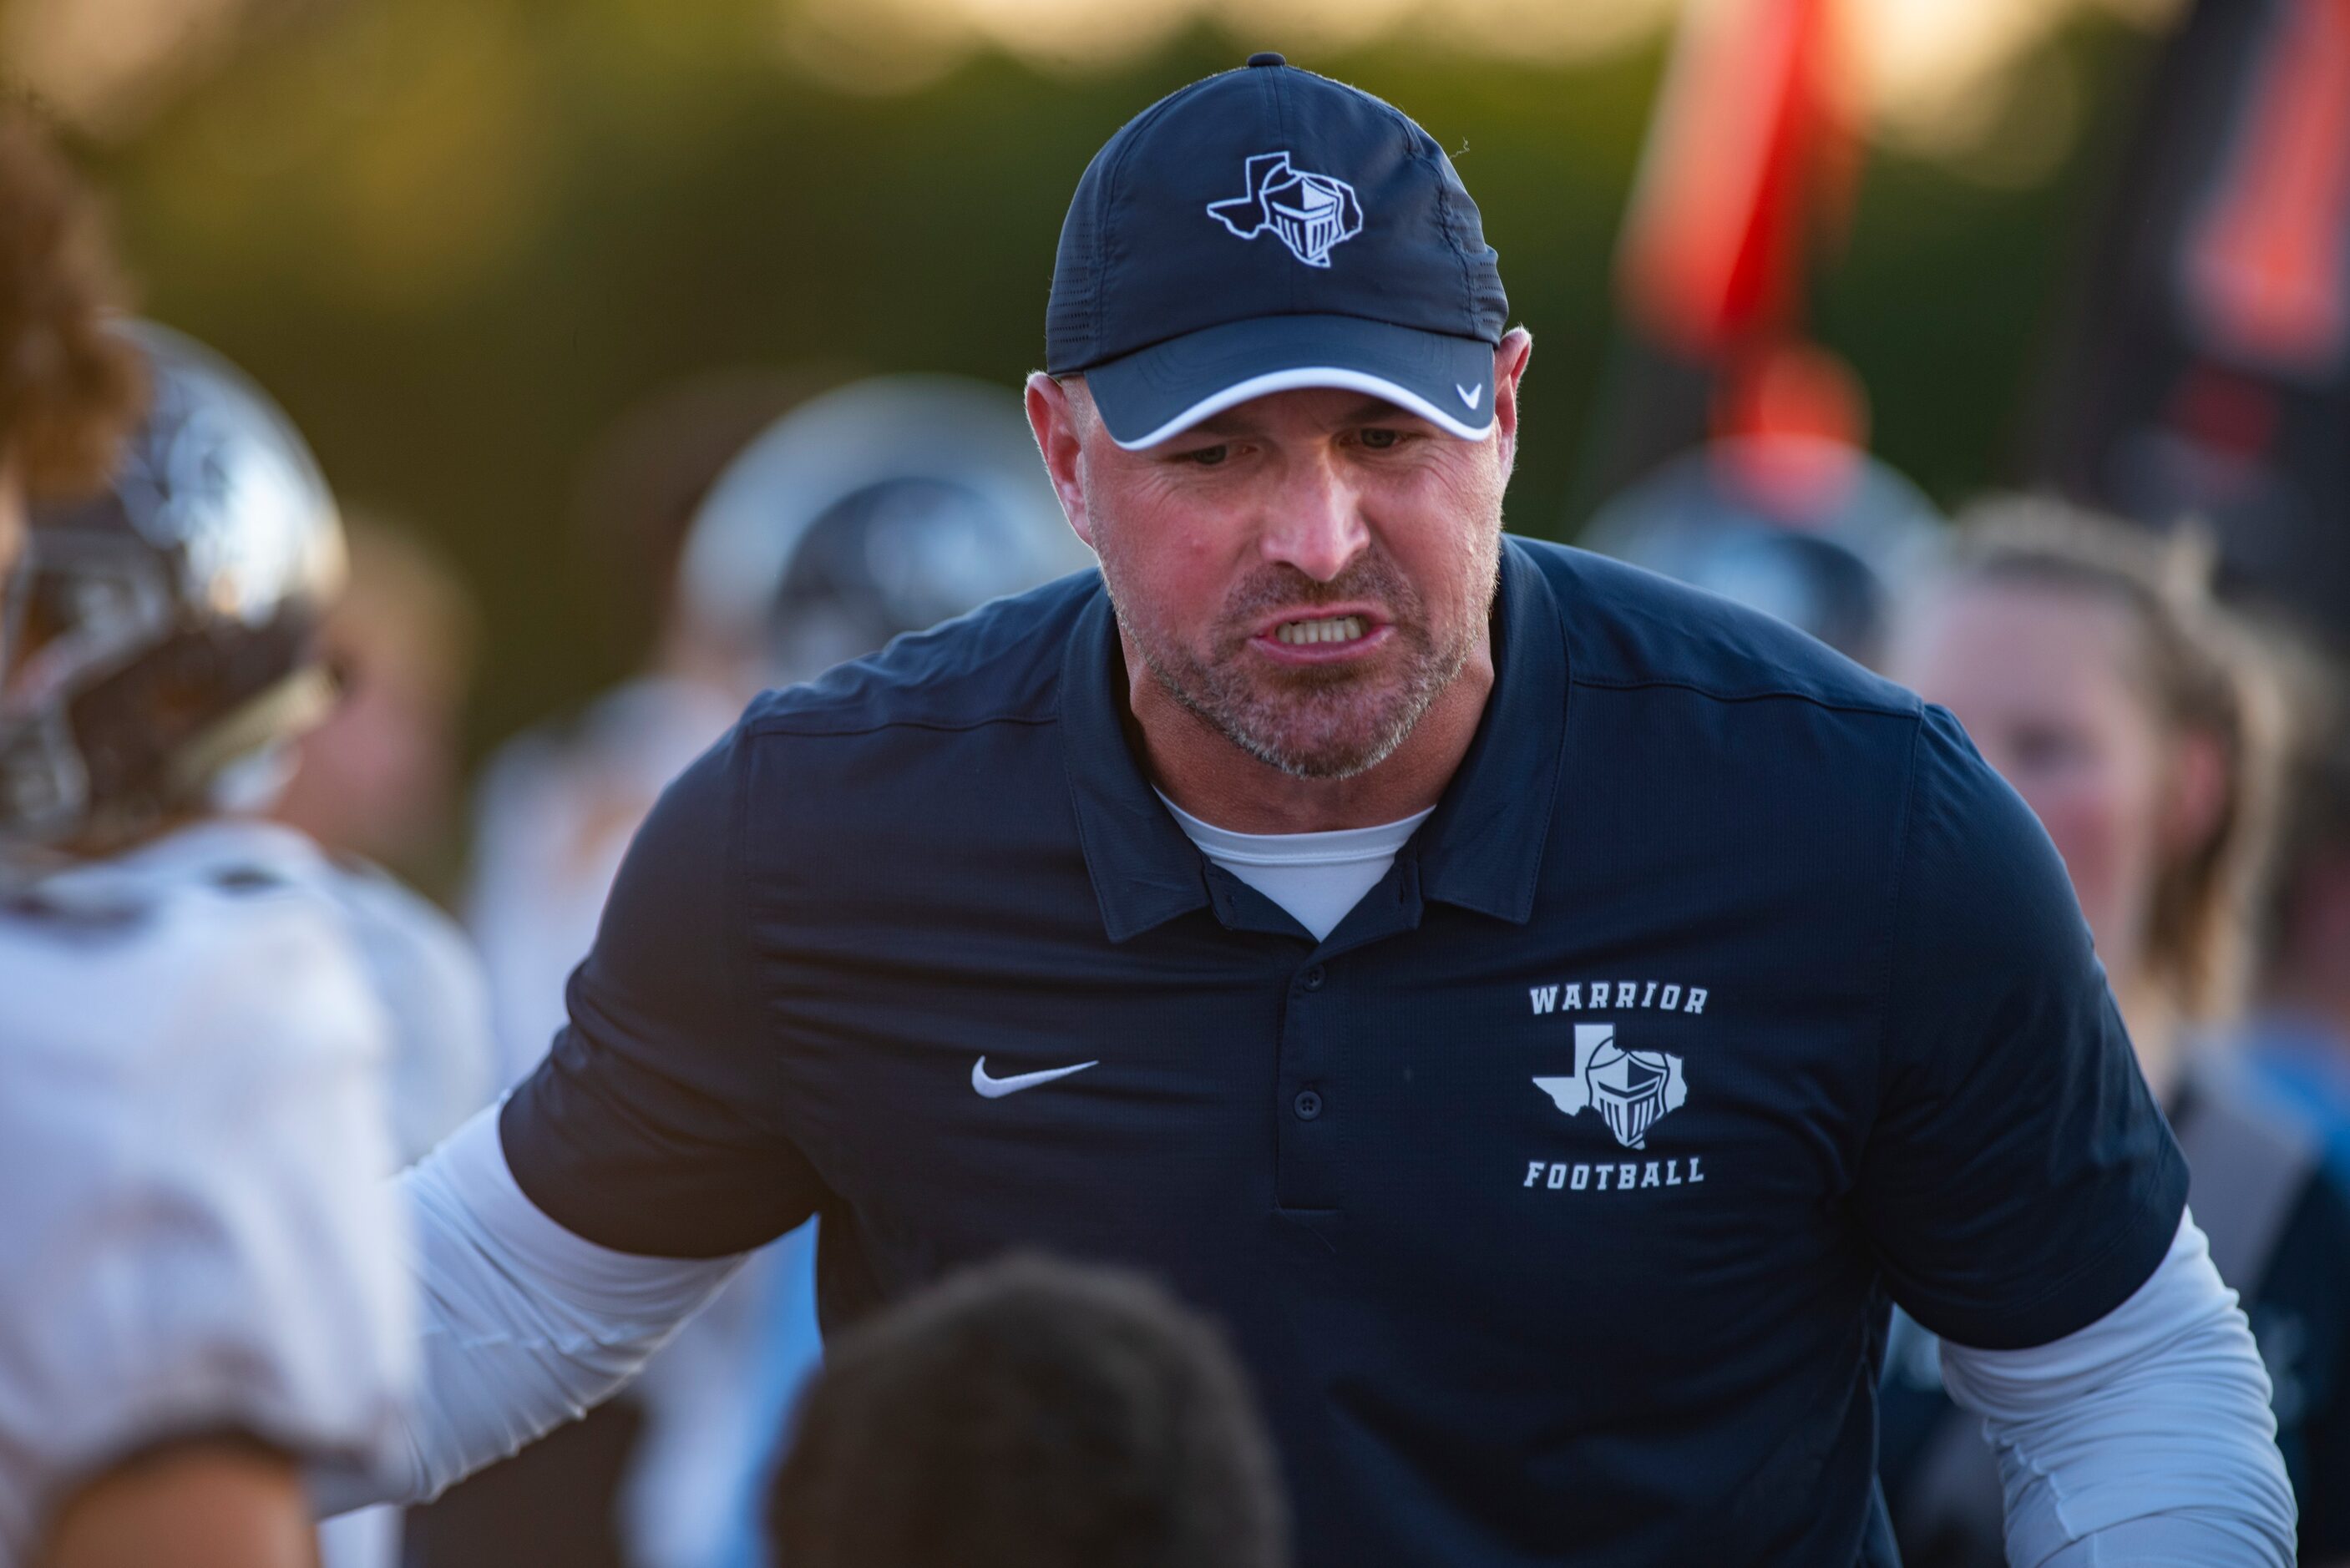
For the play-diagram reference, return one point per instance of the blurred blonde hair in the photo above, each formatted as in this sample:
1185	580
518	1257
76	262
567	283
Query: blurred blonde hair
2202	675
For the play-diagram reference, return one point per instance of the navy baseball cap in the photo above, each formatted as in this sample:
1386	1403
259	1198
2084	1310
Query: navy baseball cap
1269	229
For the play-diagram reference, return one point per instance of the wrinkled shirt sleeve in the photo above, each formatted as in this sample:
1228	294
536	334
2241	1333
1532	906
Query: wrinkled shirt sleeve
2144	1437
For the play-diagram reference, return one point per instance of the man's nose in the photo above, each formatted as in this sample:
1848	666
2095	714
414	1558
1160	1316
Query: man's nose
1315	522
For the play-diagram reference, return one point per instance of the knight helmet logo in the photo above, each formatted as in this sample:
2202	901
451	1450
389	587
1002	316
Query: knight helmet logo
1308	213
1632	1090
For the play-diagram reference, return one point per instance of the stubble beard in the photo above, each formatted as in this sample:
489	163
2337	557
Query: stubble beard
1315	721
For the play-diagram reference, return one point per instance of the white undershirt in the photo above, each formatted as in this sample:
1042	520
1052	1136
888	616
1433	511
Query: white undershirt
1316	877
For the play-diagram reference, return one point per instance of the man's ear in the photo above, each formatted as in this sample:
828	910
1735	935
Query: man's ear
1059	423
1511	357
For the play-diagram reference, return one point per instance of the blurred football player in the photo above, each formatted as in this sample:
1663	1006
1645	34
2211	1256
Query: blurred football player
204	1283
831	533
378	778
375	782
883	507
556	804
1784	511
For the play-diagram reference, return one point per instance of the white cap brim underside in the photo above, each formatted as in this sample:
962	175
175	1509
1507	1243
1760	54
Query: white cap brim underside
1313	375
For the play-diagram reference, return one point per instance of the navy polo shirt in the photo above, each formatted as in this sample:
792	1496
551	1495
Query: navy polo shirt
1554	1200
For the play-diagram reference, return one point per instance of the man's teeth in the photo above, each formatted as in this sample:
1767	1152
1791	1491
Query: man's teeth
1336	628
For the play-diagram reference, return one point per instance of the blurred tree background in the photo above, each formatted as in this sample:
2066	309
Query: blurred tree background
456	238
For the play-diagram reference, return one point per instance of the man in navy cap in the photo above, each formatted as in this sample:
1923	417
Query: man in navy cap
1544	1014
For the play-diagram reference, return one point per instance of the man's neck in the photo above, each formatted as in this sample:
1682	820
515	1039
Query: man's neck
1200	770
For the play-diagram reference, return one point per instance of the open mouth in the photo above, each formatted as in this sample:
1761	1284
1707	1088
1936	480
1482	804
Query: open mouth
1318	638
1331	629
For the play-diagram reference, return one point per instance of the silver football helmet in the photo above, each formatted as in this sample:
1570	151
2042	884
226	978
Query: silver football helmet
884	508
165	630
1828	558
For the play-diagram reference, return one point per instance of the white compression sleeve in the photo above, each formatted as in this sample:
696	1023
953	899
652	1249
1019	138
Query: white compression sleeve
524	1324
2144	1437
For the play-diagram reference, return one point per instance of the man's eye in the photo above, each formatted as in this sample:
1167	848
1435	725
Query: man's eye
1208	456
1380	439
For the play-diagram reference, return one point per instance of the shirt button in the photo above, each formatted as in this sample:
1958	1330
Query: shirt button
1314	977
1308	1103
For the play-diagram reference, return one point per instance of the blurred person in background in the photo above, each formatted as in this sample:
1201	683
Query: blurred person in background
557	802
2091	666
378	781
204	1284
879	508
374	783
1030	1414
2298	1039
552	812
1784	510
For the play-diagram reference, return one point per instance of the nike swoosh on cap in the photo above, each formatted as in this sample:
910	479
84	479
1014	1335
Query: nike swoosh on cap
996	1088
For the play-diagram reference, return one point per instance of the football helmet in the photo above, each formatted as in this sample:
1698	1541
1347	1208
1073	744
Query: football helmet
884	508
1829	556
165	630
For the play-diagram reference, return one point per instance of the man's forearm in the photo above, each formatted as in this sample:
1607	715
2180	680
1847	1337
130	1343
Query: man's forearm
2145	1438
524	1324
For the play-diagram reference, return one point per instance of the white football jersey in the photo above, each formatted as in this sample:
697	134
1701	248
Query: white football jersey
424	971
194	1139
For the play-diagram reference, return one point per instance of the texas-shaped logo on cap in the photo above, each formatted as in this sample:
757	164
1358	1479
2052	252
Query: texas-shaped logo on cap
1308	213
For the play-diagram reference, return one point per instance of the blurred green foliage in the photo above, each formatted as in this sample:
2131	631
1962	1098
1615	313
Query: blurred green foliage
456	237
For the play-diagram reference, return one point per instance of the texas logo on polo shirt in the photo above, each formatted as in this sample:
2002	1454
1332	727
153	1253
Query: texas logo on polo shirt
1631	1090
1786	994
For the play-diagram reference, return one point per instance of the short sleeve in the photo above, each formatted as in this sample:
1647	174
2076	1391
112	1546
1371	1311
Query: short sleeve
2019	1181
650	1128
201	1236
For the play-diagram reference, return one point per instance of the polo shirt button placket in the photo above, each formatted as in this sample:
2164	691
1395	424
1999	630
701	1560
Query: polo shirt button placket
1307	1179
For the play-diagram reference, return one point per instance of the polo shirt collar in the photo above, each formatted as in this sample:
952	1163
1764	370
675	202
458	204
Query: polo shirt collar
1145	871
1483	849
1480	850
